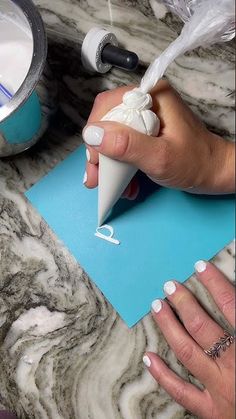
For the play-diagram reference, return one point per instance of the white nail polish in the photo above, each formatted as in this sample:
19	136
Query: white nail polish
156	306
88	154
93	135
200	266
169	287
85	177
147	361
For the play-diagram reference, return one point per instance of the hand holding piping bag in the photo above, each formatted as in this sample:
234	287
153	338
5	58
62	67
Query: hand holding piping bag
206	23
185	155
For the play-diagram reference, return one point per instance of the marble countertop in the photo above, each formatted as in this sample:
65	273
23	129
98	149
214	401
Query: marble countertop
64	352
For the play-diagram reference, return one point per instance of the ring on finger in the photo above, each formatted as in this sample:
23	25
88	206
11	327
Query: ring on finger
221	345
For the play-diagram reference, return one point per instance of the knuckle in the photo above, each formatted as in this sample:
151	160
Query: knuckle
162	84
165	83
196	325
180	393
227	301
121	144
100	98
185	352
161	160
165	158
210	279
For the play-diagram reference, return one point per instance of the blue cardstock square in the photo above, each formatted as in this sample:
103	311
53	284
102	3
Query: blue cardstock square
162	234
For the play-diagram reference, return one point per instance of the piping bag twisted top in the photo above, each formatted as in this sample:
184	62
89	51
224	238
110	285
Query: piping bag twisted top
137	100
135	112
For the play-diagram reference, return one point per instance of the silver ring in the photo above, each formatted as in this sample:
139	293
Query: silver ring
221	345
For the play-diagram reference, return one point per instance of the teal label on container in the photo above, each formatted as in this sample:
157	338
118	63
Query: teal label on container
23	124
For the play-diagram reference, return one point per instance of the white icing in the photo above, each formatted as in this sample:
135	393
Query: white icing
135	99
104	236
135	112
16	46
114	176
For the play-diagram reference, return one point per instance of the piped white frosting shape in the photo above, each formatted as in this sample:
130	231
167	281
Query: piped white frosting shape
109	237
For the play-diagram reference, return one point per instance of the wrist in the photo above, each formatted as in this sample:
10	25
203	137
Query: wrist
220	177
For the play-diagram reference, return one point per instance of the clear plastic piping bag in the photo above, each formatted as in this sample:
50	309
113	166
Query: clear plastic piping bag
206	22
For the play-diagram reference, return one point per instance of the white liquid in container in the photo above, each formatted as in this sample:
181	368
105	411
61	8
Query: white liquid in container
16	46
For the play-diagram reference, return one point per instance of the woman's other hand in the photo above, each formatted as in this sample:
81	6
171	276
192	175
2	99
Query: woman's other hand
197	332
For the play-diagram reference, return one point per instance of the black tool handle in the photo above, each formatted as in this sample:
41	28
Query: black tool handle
119	57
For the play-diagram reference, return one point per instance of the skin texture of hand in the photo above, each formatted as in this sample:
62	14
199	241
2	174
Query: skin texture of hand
185	155
188	339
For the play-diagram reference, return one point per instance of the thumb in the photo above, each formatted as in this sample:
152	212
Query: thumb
123	143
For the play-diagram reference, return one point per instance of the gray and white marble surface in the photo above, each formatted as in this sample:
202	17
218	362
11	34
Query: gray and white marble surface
64	351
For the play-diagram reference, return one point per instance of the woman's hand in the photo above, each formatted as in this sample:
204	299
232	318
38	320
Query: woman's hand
197	332
185	155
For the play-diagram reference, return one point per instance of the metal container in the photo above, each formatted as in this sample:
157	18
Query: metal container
22	119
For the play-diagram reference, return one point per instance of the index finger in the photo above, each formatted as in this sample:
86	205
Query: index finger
107	100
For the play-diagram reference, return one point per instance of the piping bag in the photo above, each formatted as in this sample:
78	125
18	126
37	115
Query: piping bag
205	22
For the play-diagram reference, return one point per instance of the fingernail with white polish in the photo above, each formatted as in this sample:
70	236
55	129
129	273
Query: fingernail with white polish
85	178
93	135
156	306
88	154
200	266
147	361
169	287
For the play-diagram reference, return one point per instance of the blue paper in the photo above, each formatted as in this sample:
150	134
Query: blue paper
162	235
